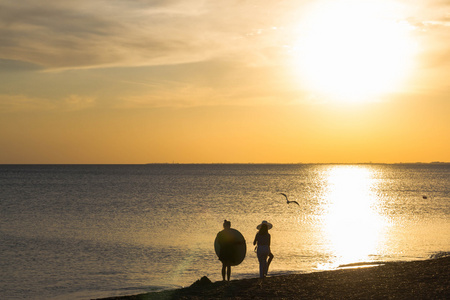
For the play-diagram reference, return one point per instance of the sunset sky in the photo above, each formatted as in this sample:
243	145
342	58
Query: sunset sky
197	81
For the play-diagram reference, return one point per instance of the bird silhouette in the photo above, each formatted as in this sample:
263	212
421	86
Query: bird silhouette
287	200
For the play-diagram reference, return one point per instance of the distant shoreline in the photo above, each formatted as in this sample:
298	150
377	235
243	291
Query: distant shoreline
281	164
428	279
262	164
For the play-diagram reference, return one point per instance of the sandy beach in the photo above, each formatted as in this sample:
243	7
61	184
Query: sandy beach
428	279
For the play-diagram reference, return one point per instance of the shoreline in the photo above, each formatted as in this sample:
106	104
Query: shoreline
424	279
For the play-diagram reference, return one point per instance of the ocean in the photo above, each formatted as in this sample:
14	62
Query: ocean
91	231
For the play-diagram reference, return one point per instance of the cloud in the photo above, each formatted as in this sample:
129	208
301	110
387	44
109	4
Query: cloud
83	34
80	34
22	103
432	32
222	91
16	66
76	102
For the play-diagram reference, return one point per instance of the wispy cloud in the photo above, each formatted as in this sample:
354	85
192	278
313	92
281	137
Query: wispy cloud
23	103
85	33
82	34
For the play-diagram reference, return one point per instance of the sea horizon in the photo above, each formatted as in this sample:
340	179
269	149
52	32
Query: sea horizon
236	163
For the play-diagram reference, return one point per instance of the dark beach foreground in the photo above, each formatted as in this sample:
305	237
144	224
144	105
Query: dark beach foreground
429	279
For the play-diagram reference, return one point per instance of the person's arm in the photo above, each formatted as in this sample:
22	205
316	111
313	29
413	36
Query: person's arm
254	242
220	239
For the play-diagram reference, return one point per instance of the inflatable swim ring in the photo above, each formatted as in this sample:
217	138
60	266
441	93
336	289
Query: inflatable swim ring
233	242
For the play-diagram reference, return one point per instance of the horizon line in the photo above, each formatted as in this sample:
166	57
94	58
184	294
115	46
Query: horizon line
248	163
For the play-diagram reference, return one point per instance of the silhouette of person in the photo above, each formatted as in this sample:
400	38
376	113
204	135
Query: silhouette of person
262	240
225	240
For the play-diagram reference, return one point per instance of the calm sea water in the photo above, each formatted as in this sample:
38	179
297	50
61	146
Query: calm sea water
80	232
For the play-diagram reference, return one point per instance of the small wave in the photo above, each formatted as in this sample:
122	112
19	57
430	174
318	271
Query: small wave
150	288
440	254
363	264
436	255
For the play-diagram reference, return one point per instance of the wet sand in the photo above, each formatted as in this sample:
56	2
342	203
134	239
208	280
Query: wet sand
429	279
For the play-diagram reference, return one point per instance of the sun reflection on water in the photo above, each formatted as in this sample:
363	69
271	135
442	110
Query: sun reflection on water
351	224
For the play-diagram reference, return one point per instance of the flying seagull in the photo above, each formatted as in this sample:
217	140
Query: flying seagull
287	200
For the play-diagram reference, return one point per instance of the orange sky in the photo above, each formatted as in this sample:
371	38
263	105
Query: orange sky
246	82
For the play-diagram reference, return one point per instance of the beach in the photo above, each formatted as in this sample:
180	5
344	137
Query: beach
426	279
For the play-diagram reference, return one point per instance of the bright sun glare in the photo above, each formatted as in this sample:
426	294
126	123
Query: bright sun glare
353	50
351	224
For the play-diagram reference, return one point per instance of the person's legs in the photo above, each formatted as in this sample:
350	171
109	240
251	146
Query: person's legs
223	271
228	272
262	258
269	261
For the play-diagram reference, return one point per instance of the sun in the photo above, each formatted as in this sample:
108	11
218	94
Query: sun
353	50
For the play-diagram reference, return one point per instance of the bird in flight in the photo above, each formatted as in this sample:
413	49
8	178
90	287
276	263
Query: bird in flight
287	200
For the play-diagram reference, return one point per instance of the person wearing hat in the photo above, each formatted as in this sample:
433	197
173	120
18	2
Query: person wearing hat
262	241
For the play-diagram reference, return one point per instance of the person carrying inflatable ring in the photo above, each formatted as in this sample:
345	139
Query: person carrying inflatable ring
230	247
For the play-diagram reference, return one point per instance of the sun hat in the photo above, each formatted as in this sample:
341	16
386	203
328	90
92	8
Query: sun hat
269	226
